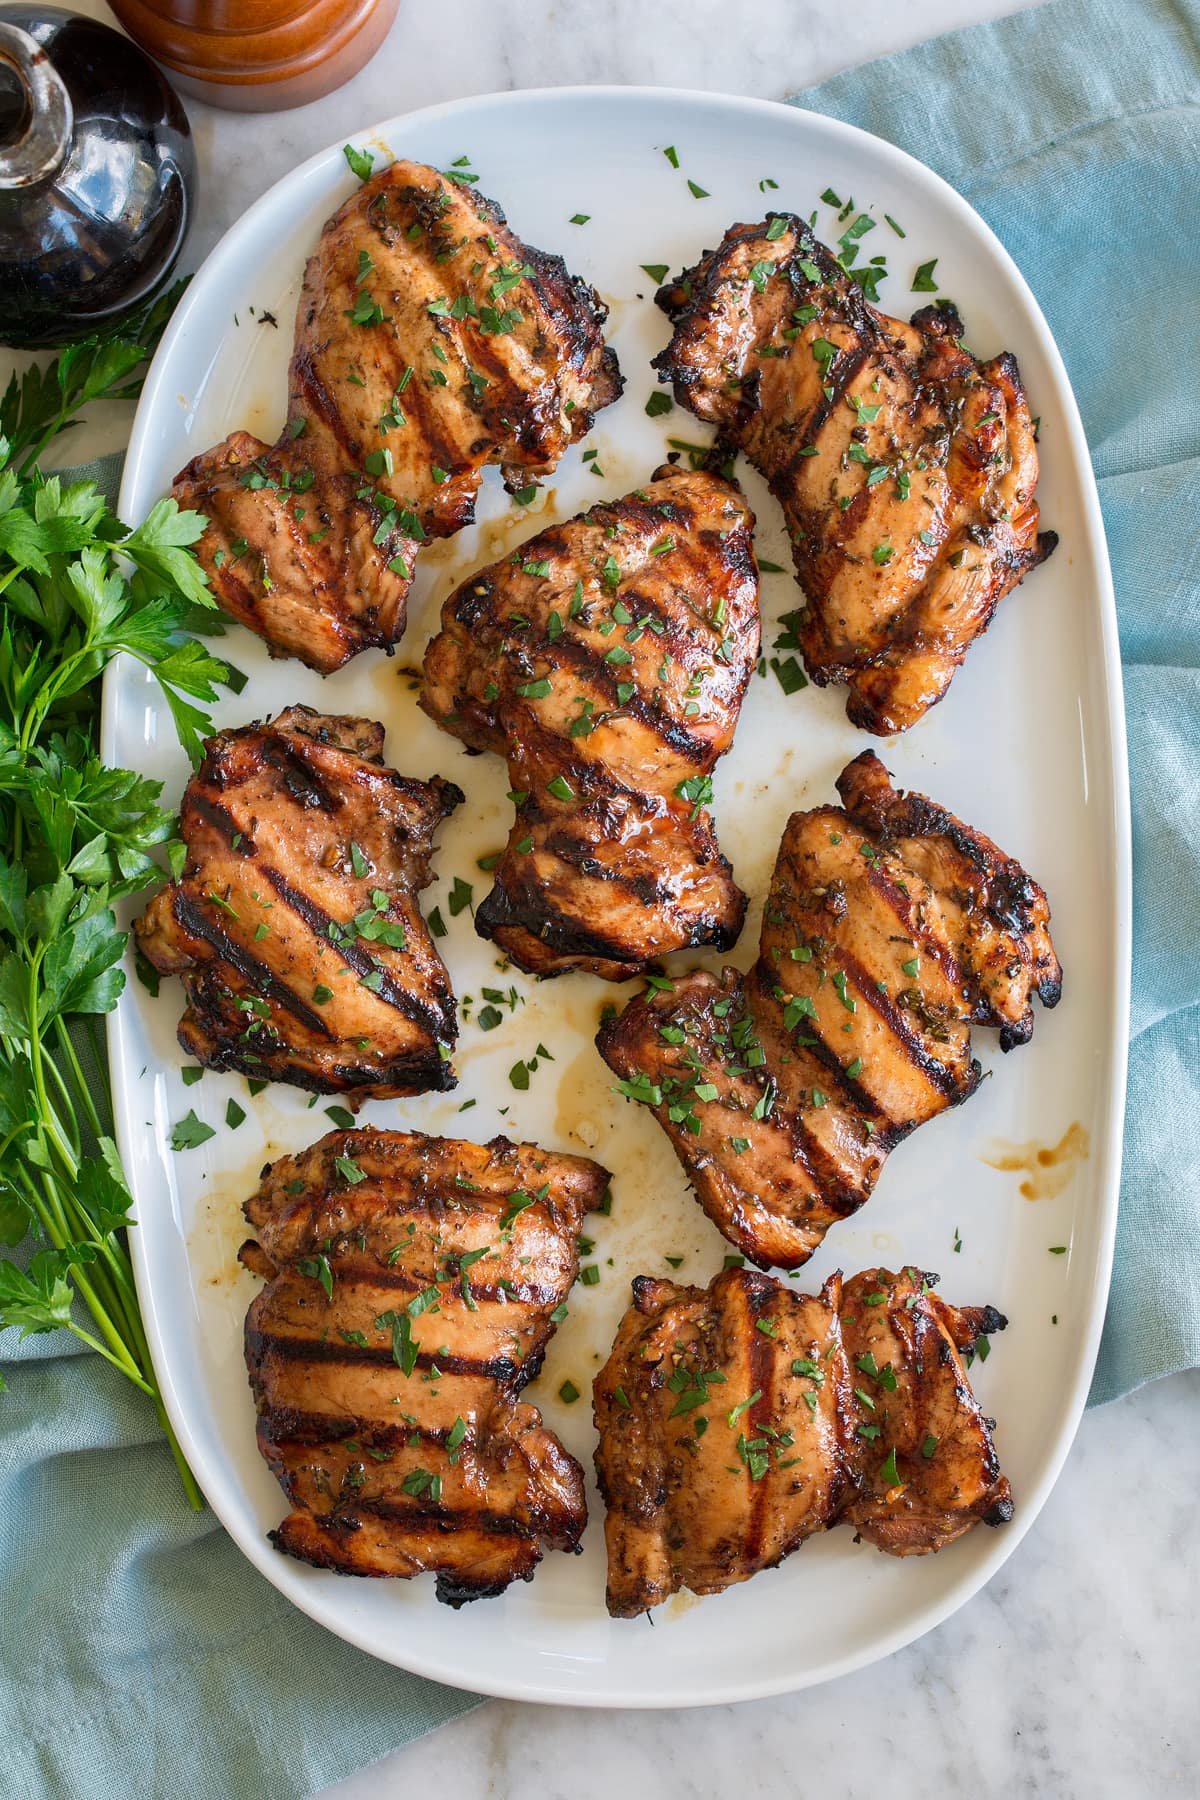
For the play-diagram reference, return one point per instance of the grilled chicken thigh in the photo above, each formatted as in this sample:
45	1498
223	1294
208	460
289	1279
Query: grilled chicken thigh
890	929
607	660
736	1421
412	1288
430	341
905	467
295	925
932	1471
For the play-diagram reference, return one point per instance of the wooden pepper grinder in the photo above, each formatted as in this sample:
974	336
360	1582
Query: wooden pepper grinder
97	176
258	55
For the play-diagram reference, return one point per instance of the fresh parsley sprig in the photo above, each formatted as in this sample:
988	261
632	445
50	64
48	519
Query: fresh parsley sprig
77	588
108	365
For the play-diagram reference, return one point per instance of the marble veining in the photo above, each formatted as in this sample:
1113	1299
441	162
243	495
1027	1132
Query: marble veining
1071	1676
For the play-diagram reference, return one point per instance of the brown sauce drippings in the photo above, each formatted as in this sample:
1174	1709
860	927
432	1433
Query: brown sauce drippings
681	1603
1049	1167
583	1102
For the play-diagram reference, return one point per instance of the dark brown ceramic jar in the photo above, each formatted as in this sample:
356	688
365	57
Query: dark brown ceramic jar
258	55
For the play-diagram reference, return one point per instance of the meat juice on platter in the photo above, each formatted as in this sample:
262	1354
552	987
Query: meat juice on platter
414	1283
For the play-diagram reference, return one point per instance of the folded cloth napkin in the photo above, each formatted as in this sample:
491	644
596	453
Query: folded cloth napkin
1074	130
139	1652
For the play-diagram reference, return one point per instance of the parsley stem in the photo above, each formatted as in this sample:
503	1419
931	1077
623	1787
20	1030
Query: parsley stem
121	1358
130	1373
67	1223
82	1091
69	1125
108	1289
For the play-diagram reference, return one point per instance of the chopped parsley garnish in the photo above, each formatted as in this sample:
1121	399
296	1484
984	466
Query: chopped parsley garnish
365	311
804	1365
419	1482
697	790
362	162
319	1269
789	674
517	1203
190	1132
736	1412
690	1387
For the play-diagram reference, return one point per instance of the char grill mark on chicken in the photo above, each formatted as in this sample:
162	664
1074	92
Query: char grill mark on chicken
607	660
738	1420
412	1284
948	1472
890	929
430	341
295	926
905	467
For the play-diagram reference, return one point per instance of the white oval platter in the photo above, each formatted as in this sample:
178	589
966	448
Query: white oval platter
1029	746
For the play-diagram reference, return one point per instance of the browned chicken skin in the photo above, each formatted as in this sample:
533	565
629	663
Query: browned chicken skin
890	929
430	341
906	469
412	1283
607	660
737	1420
295	925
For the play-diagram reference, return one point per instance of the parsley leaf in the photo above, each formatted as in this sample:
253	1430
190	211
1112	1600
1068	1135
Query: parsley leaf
361	161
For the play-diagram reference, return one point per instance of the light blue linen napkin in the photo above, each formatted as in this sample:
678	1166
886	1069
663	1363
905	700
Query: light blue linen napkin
140	1654
1074	129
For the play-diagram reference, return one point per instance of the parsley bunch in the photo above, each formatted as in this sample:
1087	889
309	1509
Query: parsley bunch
78	588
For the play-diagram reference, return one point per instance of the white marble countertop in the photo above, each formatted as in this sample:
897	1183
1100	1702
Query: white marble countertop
1074	1672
